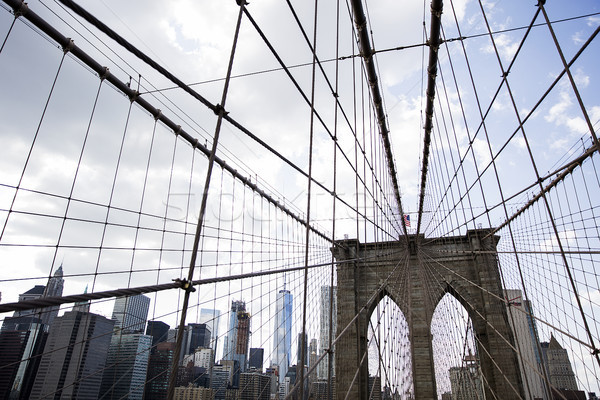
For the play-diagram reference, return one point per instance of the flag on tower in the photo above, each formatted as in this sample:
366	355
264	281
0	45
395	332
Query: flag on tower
407	220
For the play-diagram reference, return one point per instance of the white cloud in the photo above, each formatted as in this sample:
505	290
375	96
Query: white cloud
577	38
593	21
581	79
568	238
564	113
482	152
519	143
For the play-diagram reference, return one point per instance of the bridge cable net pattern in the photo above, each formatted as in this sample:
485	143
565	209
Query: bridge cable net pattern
220	201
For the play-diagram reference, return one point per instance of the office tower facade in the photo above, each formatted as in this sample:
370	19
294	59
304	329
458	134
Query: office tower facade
193	393
76	348
53	289
312	357
256	359
158	330
328	305
202	357
211	318
237	339
130	313
186	340
243	340
32	294
558	366
159	371
233	366
254	386
231	336
22	341
521	326
199	337
282	333
220	380
126	366
299	355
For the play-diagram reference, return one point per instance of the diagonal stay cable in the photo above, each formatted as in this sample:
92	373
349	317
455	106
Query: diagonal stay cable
367	54
16	4
314	111
41	24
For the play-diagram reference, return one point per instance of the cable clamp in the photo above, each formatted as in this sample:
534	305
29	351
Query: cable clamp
595	352
220	110
22	10
104	74
69	46
134	95
185	285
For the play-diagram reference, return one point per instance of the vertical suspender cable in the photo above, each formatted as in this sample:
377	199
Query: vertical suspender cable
302	343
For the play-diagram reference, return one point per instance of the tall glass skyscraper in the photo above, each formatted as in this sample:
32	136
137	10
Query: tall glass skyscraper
211	318
126	366
130	313
282	337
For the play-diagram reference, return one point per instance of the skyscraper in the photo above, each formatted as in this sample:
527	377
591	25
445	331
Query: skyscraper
54	289
558	365
211	318
299	355
22	341
256	359
32	294
76	348
158	330
159	371
255	386
232	332
199	337
126	366
243	340
327	307
312	356
282	334
520	324
130	313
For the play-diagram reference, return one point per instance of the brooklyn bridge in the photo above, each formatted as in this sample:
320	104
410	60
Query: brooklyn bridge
299	200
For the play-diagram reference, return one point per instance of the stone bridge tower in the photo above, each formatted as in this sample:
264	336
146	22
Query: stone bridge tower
416	272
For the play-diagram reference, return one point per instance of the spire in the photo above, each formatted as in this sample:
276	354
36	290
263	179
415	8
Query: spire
59	271
82	306
554	345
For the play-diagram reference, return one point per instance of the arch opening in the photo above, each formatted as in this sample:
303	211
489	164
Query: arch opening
455	355
389	351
